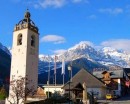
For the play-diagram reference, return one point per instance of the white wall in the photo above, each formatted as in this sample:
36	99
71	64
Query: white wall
24	61
52	89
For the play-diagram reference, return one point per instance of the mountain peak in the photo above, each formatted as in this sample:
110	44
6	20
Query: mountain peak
106	56
81	45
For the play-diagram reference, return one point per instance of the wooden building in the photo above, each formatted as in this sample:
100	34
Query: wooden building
114	80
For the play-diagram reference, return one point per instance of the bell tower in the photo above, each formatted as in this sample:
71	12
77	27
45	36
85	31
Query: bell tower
25	50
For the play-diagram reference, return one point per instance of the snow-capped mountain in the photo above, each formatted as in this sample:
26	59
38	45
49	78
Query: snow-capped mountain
106	55
78	51
116	54
5	49
120	57
82	55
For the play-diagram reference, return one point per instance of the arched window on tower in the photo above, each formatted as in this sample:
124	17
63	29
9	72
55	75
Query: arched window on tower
33	41
19	39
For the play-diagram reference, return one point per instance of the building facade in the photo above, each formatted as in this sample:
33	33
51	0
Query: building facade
25	52
92	86
53	89
114	80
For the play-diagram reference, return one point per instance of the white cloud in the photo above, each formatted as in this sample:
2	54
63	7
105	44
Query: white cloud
114	11
51	3
60	51
53	38
118	44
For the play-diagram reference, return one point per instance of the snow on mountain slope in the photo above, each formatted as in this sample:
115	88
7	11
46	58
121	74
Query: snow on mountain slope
106	56
117	55
83	50
79	50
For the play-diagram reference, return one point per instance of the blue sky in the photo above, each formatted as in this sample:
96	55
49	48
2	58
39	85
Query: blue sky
64	23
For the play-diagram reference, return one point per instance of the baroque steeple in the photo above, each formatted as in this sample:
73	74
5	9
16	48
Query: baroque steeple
26	23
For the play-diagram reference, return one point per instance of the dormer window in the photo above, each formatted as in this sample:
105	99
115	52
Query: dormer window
33	41
19	39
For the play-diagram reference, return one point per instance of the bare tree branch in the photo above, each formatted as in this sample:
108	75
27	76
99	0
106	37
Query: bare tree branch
20	89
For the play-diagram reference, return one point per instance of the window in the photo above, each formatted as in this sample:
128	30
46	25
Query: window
19	40
33	41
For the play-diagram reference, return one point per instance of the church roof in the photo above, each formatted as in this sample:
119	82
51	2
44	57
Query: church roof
26	19
84	76
26	23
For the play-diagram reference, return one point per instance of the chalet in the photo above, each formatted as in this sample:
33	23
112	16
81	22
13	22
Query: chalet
114	80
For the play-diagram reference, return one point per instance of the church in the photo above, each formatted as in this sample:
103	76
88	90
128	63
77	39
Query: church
24	64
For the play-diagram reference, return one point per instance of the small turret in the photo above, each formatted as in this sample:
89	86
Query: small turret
26	23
